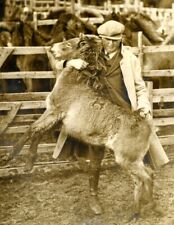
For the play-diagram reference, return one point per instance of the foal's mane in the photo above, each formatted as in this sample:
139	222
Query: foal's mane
89	49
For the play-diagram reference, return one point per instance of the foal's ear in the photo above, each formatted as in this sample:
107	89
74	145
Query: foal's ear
81	36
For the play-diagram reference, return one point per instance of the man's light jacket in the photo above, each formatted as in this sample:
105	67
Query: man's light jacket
135	85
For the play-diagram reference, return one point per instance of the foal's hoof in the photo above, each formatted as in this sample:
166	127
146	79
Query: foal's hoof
9	157
28	165
6	159
134	217
95	206
159	211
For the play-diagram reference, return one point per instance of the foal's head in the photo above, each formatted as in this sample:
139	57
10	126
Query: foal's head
88	48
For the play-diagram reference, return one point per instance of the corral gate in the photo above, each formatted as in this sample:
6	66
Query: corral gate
14	120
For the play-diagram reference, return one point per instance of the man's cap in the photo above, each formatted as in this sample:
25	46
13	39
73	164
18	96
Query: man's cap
111	30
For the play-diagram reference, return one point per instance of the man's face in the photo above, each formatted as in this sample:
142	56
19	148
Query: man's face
111	46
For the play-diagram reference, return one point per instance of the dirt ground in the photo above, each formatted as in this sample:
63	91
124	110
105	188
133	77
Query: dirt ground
61	198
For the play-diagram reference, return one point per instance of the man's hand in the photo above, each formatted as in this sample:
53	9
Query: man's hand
145	113
78	64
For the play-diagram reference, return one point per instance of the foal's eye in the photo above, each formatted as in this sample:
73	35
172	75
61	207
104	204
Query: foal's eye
82	43
68	45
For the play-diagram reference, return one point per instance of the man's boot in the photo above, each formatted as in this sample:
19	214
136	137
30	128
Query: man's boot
96	156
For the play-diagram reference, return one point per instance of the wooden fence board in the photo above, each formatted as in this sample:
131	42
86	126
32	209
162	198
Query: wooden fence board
158	48
164	121
22	129
167	140
42	148
49	147
17	129
24	118
22	50
163	98
28	74
42	167
44	2
158	73
24	96
28	118
24	105
163	91
164	94
7	119
4	53
163	112
46	22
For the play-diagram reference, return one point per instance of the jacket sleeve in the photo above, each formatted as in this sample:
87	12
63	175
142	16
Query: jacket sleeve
56	65
140	87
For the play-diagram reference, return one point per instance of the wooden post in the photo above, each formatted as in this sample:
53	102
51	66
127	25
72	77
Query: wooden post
32	4
6	120
137	5
64	3
35	20
109	6
56	3
149	85
172	13
127	2
140	46
73	6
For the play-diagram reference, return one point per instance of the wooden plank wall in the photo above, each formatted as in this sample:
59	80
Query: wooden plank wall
35	101
165	17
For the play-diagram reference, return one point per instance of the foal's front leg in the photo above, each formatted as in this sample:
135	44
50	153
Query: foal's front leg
40	126
32	153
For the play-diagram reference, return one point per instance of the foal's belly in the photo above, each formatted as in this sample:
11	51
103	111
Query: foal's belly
81	120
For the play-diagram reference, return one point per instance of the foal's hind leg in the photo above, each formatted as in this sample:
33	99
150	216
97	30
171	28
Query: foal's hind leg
143	182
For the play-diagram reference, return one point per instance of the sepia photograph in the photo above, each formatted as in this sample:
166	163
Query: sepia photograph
86	112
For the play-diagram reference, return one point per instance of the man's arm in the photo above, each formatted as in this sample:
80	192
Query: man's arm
58	65
143	103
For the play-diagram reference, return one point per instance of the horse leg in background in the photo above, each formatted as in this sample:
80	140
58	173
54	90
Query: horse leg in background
96	155
40	126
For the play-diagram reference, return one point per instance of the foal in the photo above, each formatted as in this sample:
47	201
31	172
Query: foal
78	102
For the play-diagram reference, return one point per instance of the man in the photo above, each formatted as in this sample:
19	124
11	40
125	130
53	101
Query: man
126	88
